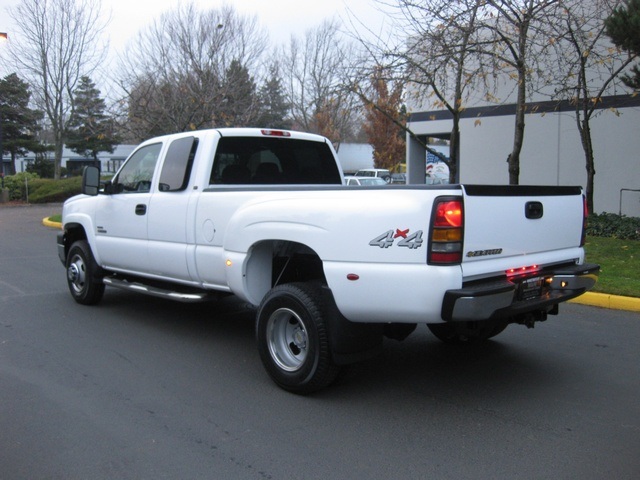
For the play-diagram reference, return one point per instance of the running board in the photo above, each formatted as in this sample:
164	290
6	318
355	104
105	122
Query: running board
185	297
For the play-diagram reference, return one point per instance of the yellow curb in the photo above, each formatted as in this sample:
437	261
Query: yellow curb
606	300
48	223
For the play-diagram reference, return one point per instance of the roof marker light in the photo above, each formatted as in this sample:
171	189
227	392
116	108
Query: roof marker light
275	133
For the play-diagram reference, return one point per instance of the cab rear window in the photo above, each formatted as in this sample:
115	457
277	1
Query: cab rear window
259	160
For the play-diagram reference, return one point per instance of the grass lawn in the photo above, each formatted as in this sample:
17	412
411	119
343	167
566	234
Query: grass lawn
619	265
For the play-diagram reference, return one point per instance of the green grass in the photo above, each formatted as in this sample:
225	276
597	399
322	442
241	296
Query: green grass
619	262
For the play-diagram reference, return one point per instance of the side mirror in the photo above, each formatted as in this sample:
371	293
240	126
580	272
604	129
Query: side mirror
90	181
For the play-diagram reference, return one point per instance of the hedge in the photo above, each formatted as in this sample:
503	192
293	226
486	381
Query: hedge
614	226
26	186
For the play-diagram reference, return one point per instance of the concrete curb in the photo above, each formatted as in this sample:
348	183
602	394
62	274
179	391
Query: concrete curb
48	223
593	299
606	300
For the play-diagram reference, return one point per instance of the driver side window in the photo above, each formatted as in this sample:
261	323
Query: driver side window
135	176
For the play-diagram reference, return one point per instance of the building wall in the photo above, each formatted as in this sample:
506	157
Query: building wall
552	153
72	161
355	156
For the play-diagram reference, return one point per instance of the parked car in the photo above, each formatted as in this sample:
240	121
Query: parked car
399	178
368	181
375	172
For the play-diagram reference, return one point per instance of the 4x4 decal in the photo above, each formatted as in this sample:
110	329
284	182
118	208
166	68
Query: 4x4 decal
409	240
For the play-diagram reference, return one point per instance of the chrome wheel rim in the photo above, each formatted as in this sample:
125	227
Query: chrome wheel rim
77	274
287	339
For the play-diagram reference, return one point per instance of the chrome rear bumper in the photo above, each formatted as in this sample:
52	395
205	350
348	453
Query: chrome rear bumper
504	297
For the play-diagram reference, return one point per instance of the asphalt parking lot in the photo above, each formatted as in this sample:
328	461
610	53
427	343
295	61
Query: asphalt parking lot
141	388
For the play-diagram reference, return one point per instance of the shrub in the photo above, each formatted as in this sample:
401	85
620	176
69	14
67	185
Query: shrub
613	226
41	190
45	190
16	184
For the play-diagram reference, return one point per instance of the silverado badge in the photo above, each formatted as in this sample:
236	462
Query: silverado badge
484	253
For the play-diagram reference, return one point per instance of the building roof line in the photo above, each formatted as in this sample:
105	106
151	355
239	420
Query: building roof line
548	106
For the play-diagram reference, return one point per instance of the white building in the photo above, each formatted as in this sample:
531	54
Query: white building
355	156
109	162
552	152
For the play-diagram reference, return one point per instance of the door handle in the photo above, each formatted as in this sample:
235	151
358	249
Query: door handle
533	210
141	209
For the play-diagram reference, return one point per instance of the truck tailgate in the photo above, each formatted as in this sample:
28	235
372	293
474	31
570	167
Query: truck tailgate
520	226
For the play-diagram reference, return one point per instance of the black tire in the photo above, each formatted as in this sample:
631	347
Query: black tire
461	333
292	338
83	274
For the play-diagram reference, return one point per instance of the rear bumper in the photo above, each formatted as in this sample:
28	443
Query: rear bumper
504	298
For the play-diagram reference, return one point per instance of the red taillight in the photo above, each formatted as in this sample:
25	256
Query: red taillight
275	133
449	214
444	258
512	272
445	242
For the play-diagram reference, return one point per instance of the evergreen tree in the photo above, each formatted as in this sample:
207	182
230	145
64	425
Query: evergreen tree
623	27
89	130
240	104
19	122
274	108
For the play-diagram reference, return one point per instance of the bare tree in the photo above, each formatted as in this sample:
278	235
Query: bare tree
441	64
436	61
518	36
588	65
315	68
56	44
173	77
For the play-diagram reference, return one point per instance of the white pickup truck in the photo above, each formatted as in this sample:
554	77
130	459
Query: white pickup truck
331	269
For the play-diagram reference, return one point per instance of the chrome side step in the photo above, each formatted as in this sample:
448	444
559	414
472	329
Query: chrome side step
185	297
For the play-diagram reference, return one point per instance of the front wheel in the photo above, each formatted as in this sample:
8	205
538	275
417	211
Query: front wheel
293	340
83	274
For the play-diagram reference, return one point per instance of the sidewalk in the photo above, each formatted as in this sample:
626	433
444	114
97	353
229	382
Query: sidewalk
593	299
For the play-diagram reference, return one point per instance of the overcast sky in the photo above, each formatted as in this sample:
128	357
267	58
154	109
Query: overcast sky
281	18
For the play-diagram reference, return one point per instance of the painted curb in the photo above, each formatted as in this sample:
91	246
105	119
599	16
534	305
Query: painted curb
606	300
593	299
48	223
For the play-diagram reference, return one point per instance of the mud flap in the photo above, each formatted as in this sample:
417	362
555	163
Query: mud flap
350	342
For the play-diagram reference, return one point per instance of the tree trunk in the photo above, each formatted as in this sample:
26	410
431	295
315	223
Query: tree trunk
518	138
12	165
587	145
454	148
57	162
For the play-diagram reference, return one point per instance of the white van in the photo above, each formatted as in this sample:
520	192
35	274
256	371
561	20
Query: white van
375	172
